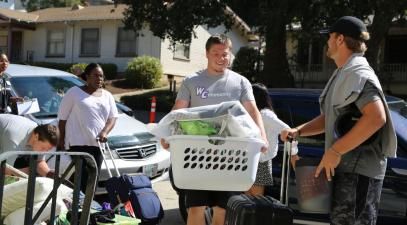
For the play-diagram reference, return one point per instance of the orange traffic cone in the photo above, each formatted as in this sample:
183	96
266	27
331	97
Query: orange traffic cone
152	111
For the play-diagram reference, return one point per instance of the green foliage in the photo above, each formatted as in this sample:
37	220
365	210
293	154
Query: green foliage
245	62
175	20
144	72
110	70
164	100
81	66
52	65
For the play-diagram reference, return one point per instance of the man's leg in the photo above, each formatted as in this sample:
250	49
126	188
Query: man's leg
344	199
220	199
196	201
196	215
367	200
256	190
218	217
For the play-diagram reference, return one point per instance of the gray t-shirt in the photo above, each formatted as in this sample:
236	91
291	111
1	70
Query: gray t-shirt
201	89
366	160
14	134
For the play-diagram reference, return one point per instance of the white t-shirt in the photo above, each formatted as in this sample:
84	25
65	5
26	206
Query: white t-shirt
273	126
86	115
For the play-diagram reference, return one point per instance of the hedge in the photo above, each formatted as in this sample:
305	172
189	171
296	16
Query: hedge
109	69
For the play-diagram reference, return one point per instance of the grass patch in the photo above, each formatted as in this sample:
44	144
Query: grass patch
165	100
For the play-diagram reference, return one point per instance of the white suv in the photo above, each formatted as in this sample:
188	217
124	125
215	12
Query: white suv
135	150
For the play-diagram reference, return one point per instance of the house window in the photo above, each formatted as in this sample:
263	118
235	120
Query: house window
181	51
3	44
310	52
56	43
90	45
126	43
395	49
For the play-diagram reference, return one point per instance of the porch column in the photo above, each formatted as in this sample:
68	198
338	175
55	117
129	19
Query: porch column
9	38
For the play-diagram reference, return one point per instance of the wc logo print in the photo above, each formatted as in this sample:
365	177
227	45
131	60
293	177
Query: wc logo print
202	92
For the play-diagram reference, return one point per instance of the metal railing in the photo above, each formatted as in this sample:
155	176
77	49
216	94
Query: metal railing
393	72
321	73
311	73
76	163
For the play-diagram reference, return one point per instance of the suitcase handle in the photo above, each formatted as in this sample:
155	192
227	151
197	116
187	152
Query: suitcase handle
285	173
105	147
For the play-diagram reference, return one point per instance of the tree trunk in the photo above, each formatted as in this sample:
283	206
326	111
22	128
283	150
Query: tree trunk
384	13
276	71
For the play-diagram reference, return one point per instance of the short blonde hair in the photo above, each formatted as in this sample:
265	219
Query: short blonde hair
357	46
218	39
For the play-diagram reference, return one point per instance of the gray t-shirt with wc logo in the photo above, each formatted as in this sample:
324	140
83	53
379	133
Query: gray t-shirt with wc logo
201	89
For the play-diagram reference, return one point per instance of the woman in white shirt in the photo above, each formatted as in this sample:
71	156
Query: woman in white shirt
273	126
85	114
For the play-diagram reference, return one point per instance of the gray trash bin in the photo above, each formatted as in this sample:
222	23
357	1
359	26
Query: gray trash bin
314	194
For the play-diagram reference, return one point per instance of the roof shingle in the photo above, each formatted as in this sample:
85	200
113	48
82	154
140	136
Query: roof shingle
100	12
17	15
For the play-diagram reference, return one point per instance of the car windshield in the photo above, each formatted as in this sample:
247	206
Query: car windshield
49	91
400	107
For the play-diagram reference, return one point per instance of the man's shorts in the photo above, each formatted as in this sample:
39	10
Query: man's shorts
195	198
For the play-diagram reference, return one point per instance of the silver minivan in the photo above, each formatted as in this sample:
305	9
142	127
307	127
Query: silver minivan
135	150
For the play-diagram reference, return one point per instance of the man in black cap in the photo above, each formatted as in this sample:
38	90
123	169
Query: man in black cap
356	168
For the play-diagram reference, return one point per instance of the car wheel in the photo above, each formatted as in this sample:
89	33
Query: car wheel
184	210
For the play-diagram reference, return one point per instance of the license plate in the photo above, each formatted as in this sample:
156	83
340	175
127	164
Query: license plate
150	170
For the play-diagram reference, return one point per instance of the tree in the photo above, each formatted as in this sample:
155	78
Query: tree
176	20
245	62
385	12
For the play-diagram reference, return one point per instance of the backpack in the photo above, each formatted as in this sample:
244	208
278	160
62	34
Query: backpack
146	204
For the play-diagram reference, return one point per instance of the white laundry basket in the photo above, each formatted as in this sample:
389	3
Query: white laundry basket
214	163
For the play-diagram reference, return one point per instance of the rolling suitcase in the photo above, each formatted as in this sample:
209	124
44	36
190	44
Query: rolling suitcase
263	210
136	189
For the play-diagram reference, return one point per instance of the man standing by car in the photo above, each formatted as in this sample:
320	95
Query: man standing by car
5	97
357	168
18	133
4	92
215	85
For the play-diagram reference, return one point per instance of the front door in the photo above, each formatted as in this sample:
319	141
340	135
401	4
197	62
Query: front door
16	46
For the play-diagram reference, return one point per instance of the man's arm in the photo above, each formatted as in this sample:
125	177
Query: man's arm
42	168
251	108
372	119
313	127
179	104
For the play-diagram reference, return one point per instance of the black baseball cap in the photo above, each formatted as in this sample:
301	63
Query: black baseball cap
348	26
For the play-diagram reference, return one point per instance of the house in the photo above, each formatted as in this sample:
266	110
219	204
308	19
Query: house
312	68
96	34
11	4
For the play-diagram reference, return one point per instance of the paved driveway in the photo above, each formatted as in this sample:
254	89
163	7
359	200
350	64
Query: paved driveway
169	200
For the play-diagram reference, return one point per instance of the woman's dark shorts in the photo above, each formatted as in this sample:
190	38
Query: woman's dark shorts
195	198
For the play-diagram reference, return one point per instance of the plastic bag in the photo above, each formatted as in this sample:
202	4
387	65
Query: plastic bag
197	127
231	118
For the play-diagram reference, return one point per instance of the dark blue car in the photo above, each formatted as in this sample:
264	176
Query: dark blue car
296	106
